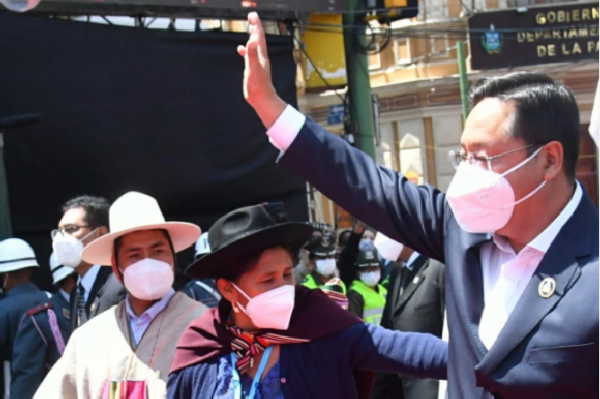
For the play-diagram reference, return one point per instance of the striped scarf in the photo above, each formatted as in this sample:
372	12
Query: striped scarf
248	346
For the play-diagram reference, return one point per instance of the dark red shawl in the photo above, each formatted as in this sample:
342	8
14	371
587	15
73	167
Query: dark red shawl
314	316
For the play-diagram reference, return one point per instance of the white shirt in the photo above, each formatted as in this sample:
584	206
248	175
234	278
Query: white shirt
139	324
88	280
505	273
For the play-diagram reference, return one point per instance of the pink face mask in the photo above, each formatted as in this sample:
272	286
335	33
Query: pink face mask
271	309
482	200
148	279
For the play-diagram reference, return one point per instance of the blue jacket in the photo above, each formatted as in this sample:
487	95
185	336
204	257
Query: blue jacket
324	368
12	308
35	349
548	347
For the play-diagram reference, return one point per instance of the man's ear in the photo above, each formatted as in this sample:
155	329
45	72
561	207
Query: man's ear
102	230
553	159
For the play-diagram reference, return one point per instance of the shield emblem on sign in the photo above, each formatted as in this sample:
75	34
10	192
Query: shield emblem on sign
492	41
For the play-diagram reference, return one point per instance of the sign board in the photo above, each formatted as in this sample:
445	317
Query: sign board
532	36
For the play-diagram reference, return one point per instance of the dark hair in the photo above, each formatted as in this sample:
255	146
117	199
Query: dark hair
545	110
240	264
96	209
343	237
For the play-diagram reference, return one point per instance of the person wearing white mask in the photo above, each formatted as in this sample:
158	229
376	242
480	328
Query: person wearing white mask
516	231
271	339
126	351
42	334
322	265
85	218
366	296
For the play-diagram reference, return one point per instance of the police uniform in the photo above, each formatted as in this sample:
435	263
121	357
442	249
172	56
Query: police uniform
15	254
365	300
41	338
323	247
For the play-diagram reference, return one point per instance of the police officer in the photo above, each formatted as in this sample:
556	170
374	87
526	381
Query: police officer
17	262
366	296
42	334
322	265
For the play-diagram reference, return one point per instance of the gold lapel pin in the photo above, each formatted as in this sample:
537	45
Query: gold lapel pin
547	287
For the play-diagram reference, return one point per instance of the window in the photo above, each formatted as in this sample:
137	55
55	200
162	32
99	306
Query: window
374	61
439	45
402	51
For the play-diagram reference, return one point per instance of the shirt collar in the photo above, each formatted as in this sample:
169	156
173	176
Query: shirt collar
153	310
542	241
89	278
411	259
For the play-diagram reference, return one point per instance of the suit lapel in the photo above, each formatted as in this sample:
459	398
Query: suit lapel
569	249
413	281
96	290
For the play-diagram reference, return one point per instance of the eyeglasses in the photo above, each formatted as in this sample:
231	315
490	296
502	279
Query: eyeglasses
69	229
458	156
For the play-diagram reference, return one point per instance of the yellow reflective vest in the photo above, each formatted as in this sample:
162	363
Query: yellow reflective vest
374	299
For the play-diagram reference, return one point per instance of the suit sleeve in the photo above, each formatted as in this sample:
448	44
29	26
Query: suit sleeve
414	215
375	348
29	360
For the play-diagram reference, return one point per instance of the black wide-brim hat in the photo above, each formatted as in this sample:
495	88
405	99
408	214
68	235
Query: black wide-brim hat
246	231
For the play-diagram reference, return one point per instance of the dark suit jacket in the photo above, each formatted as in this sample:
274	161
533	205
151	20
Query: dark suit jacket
35	349
415	302
12	307
548	347
106	292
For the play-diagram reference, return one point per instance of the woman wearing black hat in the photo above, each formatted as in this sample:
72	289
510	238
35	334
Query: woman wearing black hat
268	339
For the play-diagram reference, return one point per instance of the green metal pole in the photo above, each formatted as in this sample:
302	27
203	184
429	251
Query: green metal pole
357	72
462	78
5	224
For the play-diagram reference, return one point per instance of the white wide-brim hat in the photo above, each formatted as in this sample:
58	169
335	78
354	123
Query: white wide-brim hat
16	254
135	212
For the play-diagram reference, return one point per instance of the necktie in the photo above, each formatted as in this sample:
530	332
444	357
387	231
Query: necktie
81	311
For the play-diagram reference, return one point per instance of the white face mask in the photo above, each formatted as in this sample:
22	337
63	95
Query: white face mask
271	309
482	200
67	249
370	278
325	267
148	279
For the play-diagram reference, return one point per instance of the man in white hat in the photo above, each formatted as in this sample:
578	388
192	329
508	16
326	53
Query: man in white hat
126	351
42	334
17	261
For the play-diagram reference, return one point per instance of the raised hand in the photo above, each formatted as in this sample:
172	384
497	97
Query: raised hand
259	91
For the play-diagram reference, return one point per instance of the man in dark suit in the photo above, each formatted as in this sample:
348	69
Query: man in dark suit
517	233
84	219
415	302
